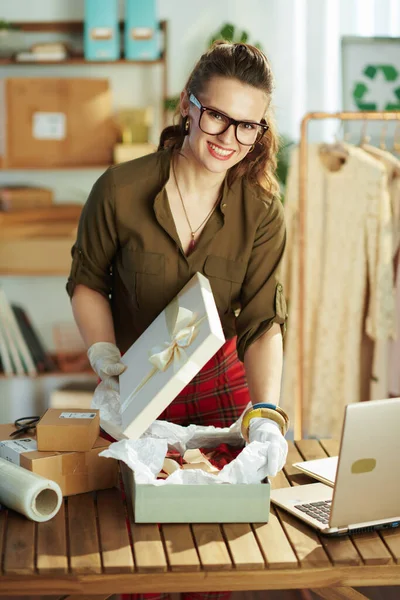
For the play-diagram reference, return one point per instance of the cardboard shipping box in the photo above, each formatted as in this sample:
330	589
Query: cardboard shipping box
75	472
22	197
68	430
58	122
41	256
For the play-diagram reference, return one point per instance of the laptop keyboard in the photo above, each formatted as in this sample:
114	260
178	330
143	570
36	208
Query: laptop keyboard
317	510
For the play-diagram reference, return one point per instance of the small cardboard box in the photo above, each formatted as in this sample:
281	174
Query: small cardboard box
166	357
23	197
41	256
64	430
75	472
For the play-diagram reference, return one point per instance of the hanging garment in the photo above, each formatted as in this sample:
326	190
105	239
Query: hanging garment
348	242
385	353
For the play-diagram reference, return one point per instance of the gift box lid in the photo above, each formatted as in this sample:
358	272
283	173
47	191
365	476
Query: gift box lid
166	357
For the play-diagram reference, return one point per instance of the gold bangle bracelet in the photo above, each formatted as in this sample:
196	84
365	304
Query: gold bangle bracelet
265	413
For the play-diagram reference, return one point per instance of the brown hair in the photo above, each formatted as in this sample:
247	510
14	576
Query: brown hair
250	66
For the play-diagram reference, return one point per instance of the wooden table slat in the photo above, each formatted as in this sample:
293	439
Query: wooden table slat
19	558
330	446
391	538
372	549
180	547
83	537
310	449
303	538
339	593
294	476
341	550
279	481
148	548
274	544
114	539
52	556
211	546
304	541
243	546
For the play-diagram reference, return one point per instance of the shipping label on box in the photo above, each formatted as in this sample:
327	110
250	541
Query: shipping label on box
166	357
75	472
11	450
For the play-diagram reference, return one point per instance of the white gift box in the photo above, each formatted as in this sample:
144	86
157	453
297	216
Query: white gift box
166	357
193	495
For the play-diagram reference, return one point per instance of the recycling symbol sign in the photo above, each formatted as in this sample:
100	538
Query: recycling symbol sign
378	89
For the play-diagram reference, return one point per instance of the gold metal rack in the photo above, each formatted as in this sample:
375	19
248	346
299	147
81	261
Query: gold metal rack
316	116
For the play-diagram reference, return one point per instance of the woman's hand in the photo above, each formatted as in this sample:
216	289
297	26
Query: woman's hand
105	359
267	431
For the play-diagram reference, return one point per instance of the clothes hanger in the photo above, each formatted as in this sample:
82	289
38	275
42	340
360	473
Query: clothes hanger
382	142
396	139
364	138
336	149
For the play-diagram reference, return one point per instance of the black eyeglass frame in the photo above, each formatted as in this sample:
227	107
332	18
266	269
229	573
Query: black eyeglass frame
196	102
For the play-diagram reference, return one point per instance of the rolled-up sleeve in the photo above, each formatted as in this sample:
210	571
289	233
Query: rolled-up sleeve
97	241
262	296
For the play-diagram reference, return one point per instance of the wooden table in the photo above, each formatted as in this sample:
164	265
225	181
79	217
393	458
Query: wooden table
87	550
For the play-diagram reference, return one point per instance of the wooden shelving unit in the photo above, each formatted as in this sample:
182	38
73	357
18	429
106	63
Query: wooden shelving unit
31	262
19	267
79	60
76	28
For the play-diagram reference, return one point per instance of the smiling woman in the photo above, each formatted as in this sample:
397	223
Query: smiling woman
207	201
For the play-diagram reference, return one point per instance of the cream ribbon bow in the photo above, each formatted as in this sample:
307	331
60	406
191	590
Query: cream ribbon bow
183	327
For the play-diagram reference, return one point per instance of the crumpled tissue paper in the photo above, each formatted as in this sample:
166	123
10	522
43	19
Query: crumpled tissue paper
146	455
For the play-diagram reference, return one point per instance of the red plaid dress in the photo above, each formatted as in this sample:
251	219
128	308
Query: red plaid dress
217	396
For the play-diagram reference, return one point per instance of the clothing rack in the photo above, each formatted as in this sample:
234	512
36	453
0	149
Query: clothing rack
316	116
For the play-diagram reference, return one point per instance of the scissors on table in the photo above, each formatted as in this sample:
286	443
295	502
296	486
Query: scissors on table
24	424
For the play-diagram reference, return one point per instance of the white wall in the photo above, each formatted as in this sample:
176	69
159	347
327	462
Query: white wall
301	37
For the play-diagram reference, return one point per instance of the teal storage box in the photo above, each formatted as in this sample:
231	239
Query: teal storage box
142	40
101	30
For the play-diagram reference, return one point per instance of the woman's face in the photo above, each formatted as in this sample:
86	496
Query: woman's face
242	102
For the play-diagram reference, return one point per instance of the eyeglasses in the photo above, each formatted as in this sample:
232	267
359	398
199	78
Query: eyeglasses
214	122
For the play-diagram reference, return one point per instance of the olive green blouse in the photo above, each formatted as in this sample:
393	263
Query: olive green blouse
128	250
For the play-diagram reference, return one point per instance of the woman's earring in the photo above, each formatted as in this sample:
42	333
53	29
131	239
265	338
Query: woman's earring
187	125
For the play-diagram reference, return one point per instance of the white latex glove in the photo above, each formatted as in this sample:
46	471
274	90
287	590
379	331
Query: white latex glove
105	359
268	432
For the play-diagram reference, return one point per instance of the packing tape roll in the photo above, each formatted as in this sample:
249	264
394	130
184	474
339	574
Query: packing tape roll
34	496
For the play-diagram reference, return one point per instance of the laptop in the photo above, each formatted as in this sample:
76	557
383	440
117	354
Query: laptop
366	492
